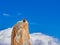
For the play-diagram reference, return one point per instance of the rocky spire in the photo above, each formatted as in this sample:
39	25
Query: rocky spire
20	34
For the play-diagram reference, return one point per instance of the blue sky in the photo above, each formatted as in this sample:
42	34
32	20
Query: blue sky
43	16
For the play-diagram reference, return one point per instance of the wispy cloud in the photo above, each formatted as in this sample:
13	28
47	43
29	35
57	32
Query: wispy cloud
6	14
34	23
12	15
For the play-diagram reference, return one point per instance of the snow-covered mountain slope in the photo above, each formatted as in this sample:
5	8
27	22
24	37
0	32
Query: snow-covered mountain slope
36	38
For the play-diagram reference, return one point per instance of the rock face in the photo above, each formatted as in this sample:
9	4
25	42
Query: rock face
20	34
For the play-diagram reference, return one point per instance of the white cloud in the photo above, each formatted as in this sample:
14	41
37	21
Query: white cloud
5	14
42	39
36	38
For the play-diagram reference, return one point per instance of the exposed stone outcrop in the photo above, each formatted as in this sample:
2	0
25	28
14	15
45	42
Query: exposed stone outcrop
20	34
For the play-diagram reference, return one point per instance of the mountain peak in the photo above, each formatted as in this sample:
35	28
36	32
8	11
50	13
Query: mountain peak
20	34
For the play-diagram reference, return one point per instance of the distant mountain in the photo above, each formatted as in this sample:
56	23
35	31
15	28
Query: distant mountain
36	38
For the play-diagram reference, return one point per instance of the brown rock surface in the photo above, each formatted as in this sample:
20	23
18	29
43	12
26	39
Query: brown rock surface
20	34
